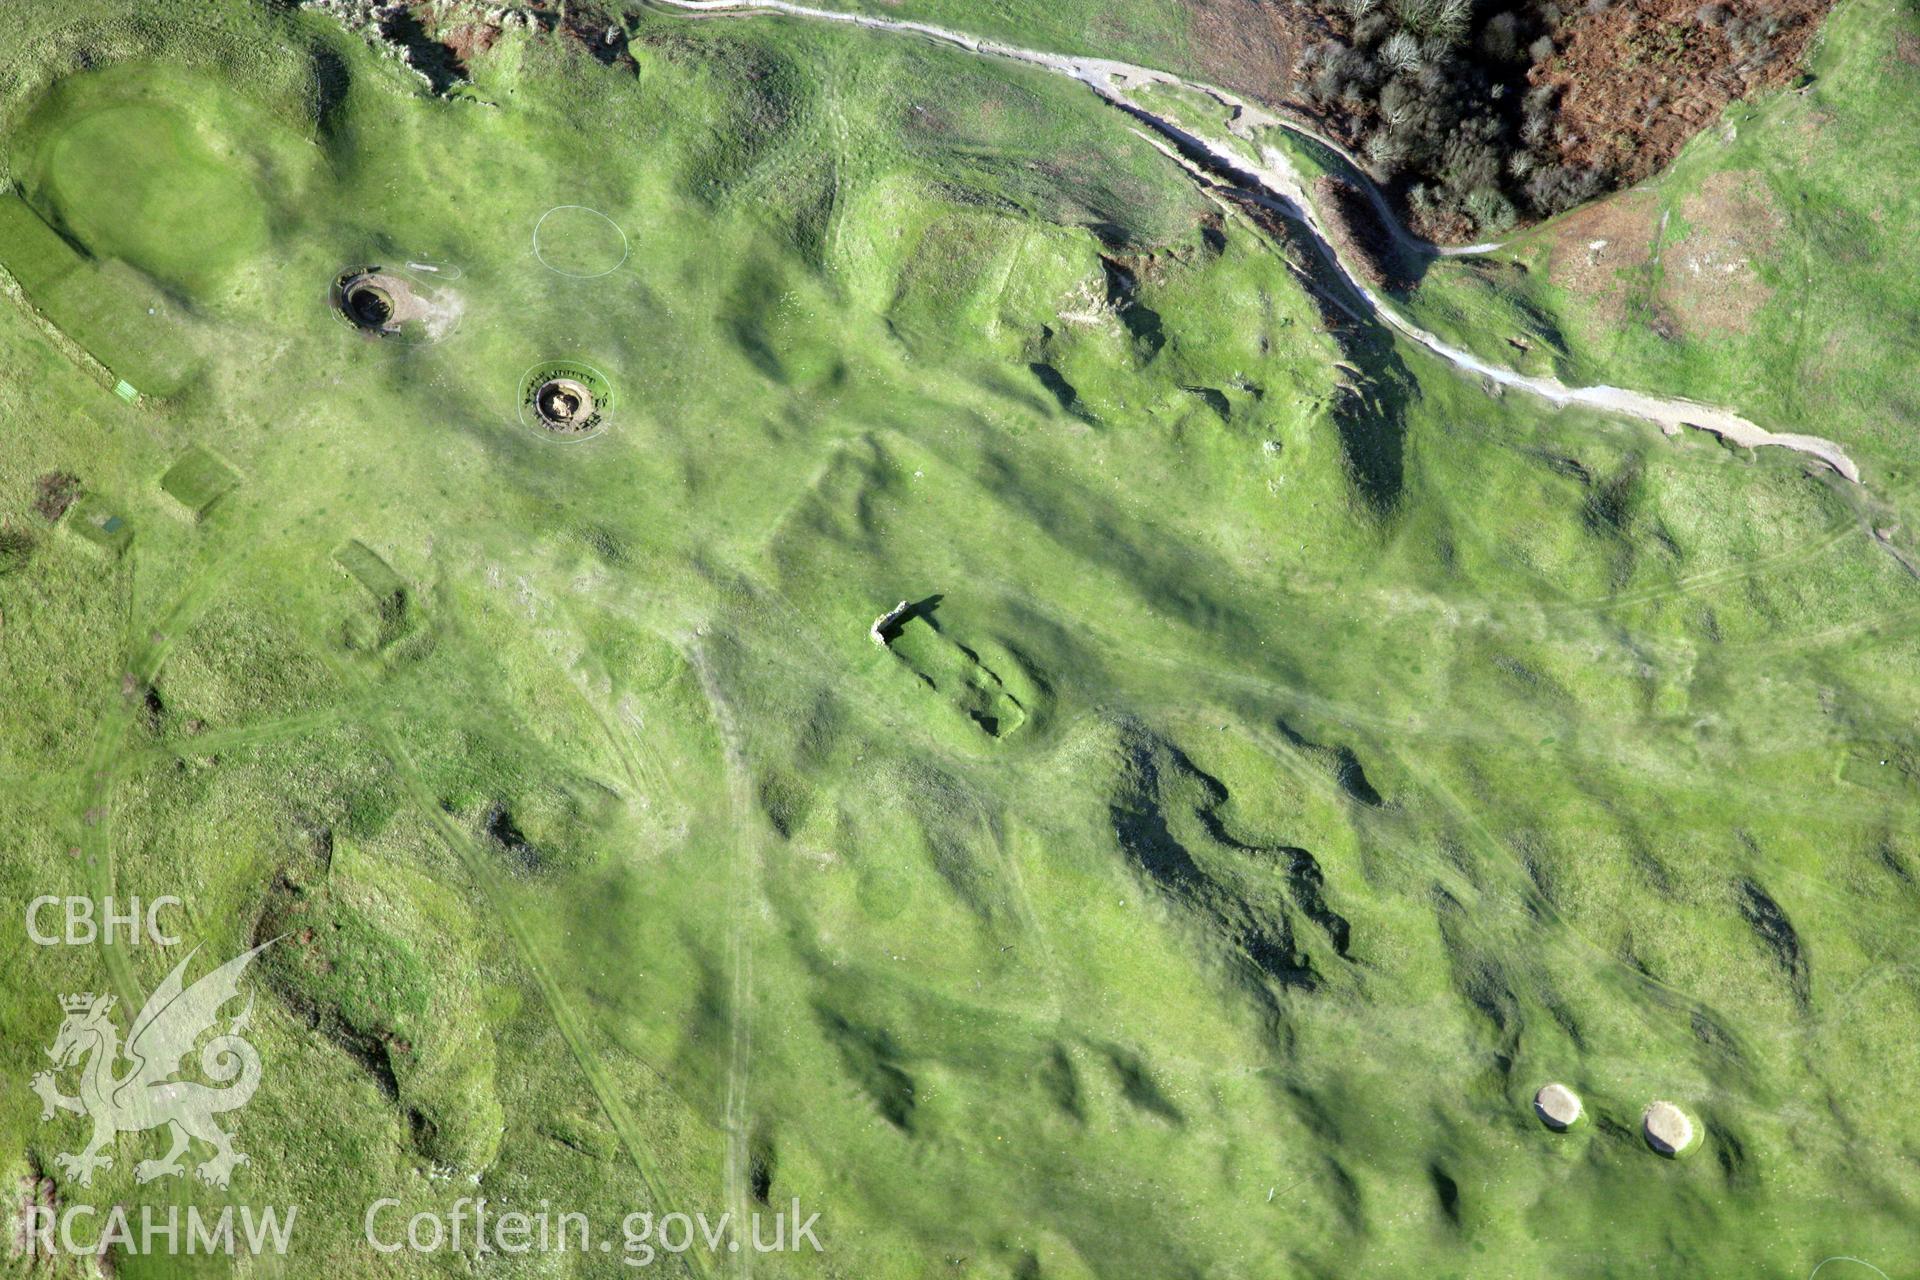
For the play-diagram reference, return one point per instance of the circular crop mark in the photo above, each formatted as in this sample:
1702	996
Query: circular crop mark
580	242
565	399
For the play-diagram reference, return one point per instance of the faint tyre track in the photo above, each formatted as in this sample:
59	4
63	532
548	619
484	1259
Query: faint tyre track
743	898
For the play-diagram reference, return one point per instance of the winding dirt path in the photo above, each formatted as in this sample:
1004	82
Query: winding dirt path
1274	182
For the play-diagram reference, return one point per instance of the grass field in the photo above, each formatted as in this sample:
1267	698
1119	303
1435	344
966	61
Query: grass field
1296	756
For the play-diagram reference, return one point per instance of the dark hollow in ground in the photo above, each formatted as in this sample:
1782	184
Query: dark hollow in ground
369	305
376	301
563	404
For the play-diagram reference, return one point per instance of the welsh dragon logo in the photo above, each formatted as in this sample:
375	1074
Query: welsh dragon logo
146	1092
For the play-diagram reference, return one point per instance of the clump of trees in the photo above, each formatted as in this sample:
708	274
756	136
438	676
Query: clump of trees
1435	93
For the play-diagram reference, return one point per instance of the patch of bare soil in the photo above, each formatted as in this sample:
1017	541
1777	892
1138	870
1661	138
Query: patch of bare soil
1599	248
468	40
54	492
1710	280
1634	80
595	30
1353	224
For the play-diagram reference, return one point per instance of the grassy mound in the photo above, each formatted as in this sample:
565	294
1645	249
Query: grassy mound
149	173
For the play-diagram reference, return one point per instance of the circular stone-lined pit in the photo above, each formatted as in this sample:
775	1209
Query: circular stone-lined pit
368	305
1557	1106
565	399
563	404
1667	1128
387	304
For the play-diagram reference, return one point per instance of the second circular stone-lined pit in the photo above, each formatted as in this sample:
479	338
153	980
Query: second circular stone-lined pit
563	404
565	398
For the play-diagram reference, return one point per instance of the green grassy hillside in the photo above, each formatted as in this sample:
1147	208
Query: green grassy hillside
1292	758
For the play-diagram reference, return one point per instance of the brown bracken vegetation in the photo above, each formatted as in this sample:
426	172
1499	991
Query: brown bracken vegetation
1481	116
1633	81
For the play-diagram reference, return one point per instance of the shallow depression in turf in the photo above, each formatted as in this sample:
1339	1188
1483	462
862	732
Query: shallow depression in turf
159	170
